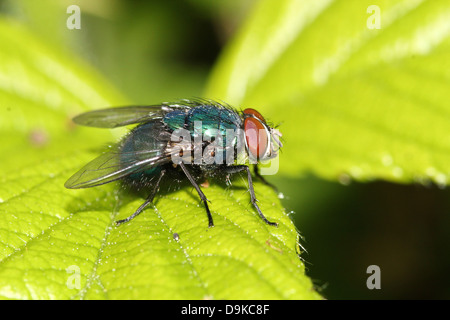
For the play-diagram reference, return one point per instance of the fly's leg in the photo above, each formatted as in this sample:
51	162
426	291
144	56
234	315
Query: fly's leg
263	180
239	168
146	203
200	193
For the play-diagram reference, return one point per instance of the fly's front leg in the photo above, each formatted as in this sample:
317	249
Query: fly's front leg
263	180
239	168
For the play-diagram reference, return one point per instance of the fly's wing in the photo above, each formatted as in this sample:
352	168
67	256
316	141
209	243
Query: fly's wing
114	165
143	148
121	116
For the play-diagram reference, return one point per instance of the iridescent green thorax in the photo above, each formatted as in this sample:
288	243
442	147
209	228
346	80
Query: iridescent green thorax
209	120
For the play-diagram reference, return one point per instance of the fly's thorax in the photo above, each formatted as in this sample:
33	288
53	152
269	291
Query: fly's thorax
207	149
204	134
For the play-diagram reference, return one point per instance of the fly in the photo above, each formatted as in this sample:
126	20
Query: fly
194	138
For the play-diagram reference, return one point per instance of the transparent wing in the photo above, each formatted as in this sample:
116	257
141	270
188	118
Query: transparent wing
143	148
114	165
121	116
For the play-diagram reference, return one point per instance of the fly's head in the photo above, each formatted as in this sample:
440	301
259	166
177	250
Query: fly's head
261	140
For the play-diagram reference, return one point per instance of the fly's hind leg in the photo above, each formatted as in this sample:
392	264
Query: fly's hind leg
146	203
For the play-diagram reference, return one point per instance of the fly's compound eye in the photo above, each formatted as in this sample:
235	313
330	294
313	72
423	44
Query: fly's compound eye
253	112
256	137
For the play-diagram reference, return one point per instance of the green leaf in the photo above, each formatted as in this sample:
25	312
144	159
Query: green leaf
353	102
63	244
48	233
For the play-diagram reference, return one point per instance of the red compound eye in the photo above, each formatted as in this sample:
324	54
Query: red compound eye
254	113
256	136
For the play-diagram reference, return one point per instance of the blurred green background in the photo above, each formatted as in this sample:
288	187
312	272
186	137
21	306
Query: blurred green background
156	51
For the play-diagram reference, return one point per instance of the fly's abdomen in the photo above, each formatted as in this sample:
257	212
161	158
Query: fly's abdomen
145	143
